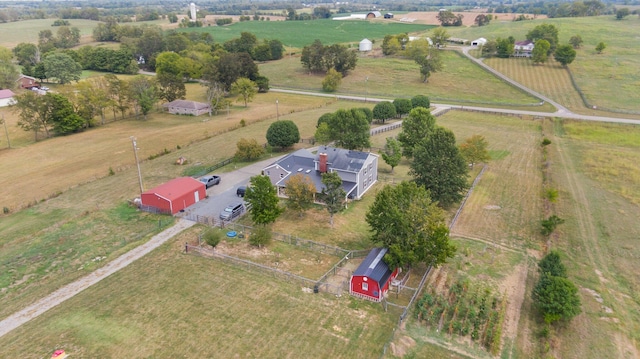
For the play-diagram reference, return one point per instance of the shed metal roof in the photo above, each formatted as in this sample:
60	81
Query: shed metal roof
374	266
176	188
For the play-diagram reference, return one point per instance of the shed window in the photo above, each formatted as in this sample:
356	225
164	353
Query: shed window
365	286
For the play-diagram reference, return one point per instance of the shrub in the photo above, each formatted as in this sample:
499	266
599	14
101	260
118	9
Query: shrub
551	194
5	210
331	82
212	237
111	172
546	142
261	236
248	149
549	225
283	133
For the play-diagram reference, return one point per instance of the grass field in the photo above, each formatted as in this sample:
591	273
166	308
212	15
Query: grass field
600	236
609	80
13	33
328	31
459	82
168	304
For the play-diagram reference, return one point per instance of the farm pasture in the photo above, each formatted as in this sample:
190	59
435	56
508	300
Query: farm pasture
170	304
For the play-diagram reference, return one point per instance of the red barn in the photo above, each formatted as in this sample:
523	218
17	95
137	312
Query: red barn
371	279
175	195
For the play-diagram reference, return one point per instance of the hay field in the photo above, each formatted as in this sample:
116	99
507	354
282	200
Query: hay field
169	304
13	33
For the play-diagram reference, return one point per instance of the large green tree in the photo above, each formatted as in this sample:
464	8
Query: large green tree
405	220
565	54
425	56
300	192
64	119
333	194
403	106
551	264
263	197
246	88
546	32
420	101
439	167
539	52
392	153
143	93
556	298
383	111
350	129
8	72
60	66
33	113
418	125
283	133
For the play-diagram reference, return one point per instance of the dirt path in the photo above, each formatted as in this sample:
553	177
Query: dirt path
19	318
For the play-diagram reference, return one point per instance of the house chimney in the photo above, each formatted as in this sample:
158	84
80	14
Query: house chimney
323	162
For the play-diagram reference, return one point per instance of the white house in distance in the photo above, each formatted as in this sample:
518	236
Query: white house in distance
479	42
6	98
523	48
358	170
365	45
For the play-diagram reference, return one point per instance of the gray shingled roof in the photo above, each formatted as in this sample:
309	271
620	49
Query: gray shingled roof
374	266
345	160
190	105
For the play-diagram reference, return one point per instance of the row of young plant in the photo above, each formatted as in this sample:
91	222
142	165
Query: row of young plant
465	310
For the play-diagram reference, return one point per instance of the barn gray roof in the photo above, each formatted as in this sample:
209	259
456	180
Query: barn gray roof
374	266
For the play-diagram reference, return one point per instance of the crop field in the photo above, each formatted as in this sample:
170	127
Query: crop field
609	80
328	31
169	304
460	81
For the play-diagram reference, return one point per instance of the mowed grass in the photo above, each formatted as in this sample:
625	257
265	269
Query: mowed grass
43	250
609	80
506	203
599	200
328	31
460	81
169	304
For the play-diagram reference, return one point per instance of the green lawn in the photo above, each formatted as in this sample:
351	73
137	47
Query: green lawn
13	33
168	304
328	31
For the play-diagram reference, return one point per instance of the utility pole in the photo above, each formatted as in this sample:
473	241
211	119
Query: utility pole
135	154
5	131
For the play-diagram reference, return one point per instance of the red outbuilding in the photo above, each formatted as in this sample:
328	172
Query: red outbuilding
175	195
371	279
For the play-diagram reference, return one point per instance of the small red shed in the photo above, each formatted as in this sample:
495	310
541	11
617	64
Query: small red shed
371	279
174	195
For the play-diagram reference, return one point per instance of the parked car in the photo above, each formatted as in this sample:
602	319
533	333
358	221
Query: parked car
210	180
232	211
241	191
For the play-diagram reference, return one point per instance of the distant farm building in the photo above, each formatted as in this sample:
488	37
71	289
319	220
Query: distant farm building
27	82
479	42
374	14
173	196
6	98
388	15
523	48
371	280
184	107
365	45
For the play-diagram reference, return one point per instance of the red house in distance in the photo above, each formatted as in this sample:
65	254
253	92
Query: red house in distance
371	279
175	195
